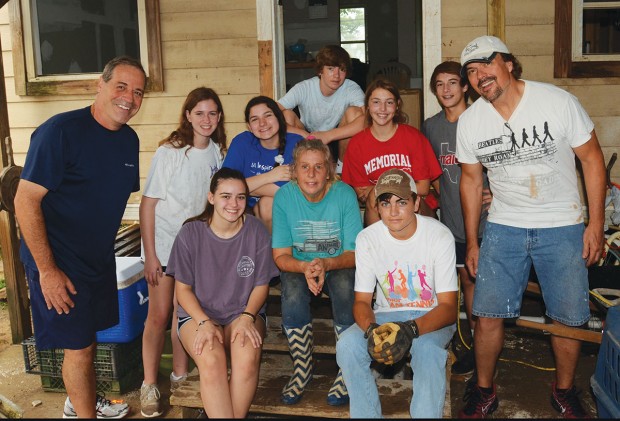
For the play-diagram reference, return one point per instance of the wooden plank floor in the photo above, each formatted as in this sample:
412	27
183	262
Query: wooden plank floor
395	394
276	369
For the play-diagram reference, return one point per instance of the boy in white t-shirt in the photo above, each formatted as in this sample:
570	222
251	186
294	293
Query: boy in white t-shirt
408	261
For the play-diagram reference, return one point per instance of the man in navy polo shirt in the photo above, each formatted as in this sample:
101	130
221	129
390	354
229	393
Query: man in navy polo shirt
81	167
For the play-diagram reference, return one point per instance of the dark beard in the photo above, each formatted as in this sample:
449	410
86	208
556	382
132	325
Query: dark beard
491	96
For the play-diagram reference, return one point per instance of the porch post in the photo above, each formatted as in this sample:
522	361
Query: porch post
496	18
16	289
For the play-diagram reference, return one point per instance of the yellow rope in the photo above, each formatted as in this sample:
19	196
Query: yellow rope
601	298
527	364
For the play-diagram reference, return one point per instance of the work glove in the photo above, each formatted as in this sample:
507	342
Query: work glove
390	342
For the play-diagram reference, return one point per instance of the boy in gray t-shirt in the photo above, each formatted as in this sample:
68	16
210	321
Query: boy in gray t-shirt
440	129
331	107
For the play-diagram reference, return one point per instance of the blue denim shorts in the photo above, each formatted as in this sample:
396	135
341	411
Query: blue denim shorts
506	257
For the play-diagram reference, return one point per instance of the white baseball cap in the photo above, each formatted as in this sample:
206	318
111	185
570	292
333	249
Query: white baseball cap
481	50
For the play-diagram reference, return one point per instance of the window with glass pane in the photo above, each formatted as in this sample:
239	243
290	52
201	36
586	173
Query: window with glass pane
587	42
353	32
80	36
601	28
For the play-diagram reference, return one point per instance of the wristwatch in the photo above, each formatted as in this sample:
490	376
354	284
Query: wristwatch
369	329
414	328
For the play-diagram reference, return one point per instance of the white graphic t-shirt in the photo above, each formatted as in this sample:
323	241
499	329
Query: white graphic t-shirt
407	274
530	157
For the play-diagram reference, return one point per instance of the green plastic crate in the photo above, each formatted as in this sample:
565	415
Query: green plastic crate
113	361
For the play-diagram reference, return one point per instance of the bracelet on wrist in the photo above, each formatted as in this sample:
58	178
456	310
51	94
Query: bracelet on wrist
250	315
202	323
206	320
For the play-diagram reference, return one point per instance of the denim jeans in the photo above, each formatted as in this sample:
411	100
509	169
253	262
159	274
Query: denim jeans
296	298
428	362
506	256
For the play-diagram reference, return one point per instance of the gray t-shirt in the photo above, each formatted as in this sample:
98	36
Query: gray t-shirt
319	112
442	135
222	272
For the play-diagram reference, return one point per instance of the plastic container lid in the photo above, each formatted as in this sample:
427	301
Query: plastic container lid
128	271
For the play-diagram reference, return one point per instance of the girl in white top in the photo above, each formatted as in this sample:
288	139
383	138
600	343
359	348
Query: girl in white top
176	189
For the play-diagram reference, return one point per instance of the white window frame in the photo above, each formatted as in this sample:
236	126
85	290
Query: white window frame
28	83
577	45
365	40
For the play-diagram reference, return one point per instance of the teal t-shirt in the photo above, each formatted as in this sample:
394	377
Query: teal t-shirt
323	229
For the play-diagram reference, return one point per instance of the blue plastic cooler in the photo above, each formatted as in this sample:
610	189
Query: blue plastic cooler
133	296
606	379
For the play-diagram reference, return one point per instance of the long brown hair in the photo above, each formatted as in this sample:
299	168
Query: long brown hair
382	83
277	112
222	174
184	134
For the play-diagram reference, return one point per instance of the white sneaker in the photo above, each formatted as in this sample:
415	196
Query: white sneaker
105	409
175	381
149	401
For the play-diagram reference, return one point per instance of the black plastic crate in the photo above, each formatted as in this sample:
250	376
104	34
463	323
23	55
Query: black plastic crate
112	361
130	381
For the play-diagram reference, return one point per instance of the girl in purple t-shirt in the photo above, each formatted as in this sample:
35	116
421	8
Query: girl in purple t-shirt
221	262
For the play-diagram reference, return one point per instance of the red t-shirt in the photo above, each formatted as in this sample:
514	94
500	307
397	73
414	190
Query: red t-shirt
367	158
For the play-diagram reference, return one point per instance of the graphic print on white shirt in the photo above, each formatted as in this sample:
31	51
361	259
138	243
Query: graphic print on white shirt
407	285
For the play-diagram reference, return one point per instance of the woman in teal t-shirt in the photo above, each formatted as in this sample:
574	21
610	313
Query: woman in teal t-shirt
315	222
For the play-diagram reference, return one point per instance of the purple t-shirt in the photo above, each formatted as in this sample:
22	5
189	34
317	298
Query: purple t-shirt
222	272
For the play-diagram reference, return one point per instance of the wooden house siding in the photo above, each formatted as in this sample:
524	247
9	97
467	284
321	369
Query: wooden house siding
204	43
529	28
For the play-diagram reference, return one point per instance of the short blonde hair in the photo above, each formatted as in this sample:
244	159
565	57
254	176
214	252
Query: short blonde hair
314	144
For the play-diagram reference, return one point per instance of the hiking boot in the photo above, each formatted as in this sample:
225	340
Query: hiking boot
567	402
479	404
106	409
175	382
465	365
149	401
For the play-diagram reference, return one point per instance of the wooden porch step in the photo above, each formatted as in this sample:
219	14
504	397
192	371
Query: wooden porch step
324	336
276	369
127	241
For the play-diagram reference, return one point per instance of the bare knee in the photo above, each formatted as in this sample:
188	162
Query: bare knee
467	283
80	356
350	114
264	209
489	325
371	214
158	318
212	366
292	119
246	364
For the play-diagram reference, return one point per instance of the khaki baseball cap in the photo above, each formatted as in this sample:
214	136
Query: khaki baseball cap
481	50
396	182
